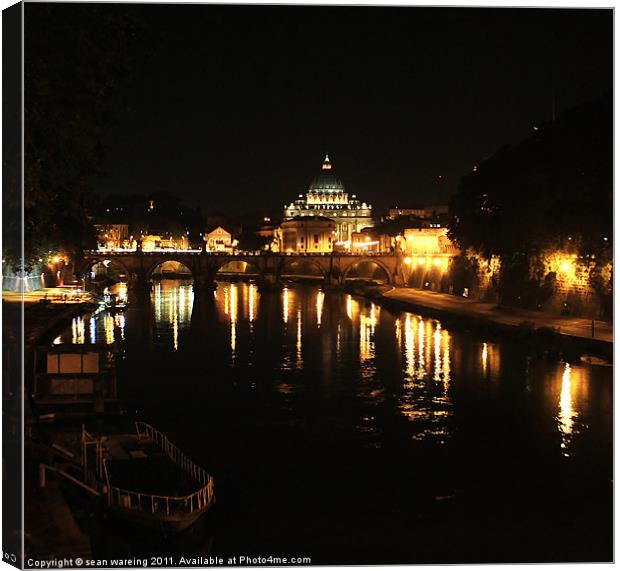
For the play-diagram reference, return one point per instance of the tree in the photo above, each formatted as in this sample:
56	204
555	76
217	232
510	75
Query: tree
553	190
550	194
76	57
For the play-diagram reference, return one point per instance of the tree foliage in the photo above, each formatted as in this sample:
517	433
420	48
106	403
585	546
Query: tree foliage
553	190
76	57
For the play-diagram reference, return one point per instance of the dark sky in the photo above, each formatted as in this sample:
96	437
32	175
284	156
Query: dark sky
238	105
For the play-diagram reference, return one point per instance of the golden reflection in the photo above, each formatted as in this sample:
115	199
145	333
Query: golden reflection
446	360
421	361
428	334
175	333
485	358
299	341
173	307
122	292
320	296
285	302
77	330
567	413
432	351
251	302
186	299
108	325
437	369
410	345
119	321
338	341
173	318
352	307
431	356
233	318
159	302
367	333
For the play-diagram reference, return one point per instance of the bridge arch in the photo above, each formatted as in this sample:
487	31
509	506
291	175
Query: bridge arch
87	266
368	266
298	265
171	266
241	266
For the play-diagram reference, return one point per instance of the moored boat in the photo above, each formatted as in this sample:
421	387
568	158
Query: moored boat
146	479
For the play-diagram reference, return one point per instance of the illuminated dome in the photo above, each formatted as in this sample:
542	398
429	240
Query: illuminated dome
326	181
325	200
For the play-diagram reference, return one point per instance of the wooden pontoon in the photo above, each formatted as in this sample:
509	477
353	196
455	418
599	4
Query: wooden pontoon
75	379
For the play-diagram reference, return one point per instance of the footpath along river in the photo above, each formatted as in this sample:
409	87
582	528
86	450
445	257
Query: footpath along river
340	431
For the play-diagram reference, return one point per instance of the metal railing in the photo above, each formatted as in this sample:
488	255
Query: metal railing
162	504
145	430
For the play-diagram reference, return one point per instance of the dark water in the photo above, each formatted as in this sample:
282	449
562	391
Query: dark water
339	431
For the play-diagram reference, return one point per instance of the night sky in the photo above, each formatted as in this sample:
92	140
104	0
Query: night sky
239	104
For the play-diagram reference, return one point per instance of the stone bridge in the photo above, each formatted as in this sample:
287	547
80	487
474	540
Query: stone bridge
269	267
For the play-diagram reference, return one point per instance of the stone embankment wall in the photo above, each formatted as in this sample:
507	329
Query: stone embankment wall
557	283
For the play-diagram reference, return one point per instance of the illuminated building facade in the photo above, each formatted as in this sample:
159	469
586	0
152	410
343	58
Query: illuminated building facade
220	240
328	198
428	241
307	234
112	236
427	256
150	242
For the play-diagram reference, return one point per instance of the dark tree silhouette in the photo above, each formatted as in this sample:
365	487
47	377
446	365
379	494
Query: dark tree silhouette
554	190
76	57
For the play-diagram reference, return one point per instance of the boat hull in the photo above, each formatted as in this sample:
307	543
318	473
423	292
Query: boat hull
167	524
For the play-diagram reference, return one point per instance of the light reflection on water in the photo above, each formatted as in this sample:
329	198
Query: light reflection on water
566	413
172	302
573	398
348	343
320	297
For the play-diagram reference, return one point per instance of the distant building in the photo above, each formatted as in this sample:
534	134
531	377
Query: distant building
220	240
112	236
390	233
418	212
428	242
152	242
307	234
327	198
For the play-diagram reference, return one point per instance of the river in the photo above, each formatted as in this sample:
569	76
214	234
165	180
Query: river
340	431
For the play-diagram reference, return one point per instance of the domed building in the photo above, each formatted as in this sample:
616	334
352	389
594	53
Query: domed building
328	198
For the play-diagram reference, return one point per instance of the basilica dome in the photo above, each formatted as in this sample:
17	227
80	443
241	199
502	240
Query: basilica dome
326	181
325	200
